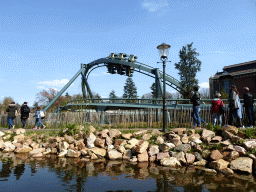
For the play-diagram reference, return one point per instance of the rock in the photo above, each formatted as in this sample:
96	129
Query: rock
54	151
252	156
240	150
156	132
23	149
104	133
69	139
27	141
118	143
142	156
164	147
206	154
2	133
127	136
159	139
2	145
227	135
114	154
215	154
181	158
63	153
99	152
230	129
230	148
47	151
249	145
190	158
207	133
19	131
114	133
9	147
80	144
17	145
242	164
90	140
46	145
152	158
227	171
197	141
226	142
7	137
153	150
142	132
108	141
194	136
183	147
211	171
133	142
37	155
92	129
146	137
233	155
141	147
84	151
93	156
216	139
184	139
162	155
63	145
127	155
72	153
134	159
121	149
34	145
35	151
42	136
179	131
171	161
202	162
219	164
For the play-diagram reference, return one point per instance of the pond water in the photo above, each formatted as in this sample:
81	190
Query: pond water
22	173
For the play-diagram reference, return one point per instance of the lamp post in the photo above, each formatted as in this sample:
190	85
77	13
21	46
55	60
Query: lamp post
163	53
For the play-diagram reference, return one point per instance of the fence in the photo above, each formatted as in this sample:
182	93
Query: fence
179	117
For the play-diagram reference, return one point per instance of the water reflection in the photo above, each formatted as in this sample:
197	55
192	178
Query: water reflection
22	173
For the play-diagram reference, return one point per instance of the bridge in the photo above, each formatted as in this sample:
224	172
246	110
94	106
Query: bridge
122	64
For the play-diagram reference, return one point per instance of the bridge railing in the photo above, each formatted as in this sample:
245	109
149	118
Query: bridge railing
142	101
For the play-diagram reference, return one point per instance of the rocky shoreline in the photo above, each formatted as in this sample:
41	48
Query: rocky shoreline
227	152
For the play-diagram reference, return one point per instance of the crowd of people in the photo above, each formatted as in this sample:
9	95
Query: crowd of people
218	108
24	115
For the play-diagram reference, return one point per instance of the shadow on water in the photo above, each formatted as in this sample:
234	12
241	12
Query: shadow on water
21	173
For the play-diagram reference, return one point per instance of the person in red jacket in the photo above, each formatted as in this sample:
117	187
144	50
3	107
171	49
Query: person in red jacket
216	102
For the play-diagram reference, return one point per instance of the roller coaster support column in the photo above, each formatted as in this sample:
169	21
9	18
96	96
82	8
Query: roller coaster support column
62	90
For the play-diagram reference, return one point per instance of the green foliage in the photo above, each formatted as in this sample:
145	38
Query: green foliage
216	146
112	95
130	90
251	133
224	95
70	130
188	66
199	131
210	127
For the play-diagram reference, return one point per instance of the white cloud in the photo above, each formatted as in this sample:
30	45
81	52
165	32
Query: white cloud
57	83
154	5
41	87
204	85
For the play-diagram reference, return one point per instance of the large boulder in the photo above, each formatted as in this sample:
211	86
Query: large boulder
90	140
171	161
219	164
63	146
153	150
141	147
69	139
230	128
73	153
249	145
207	133
243	164
20	131
114	133
2	133
99	151
114	154
183	147
99	142
142	156
161	155
23	149
9	147
35	151
190	158
80	144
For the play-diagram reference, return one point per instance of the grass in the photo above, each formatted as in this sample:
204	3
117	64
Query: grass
250	133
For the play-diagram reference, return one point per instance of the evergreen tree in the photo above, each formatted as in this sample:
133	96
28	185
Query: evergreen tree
112	95
130	90
188	66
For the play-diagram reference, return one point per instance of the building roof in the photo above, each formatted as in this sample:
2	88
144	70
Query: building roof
248	71
240	64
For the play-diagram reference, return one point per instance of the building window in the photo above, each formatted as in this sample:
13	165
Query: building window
226	86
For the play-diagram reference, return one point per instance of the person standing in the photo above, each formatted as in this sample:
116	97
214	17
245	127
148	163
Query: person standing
216	102
12	108
38	118
24	110
248	105
196	108
233	106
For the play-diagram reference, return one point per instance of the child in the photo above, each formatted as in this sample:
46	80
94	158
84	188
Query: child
38	118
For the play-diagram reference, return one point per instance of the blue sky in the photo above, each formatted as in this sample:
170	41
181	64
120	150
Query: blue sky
43	42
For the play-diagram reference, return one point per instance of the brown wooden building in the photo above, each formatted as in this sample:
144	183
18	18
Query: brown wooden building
241	75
